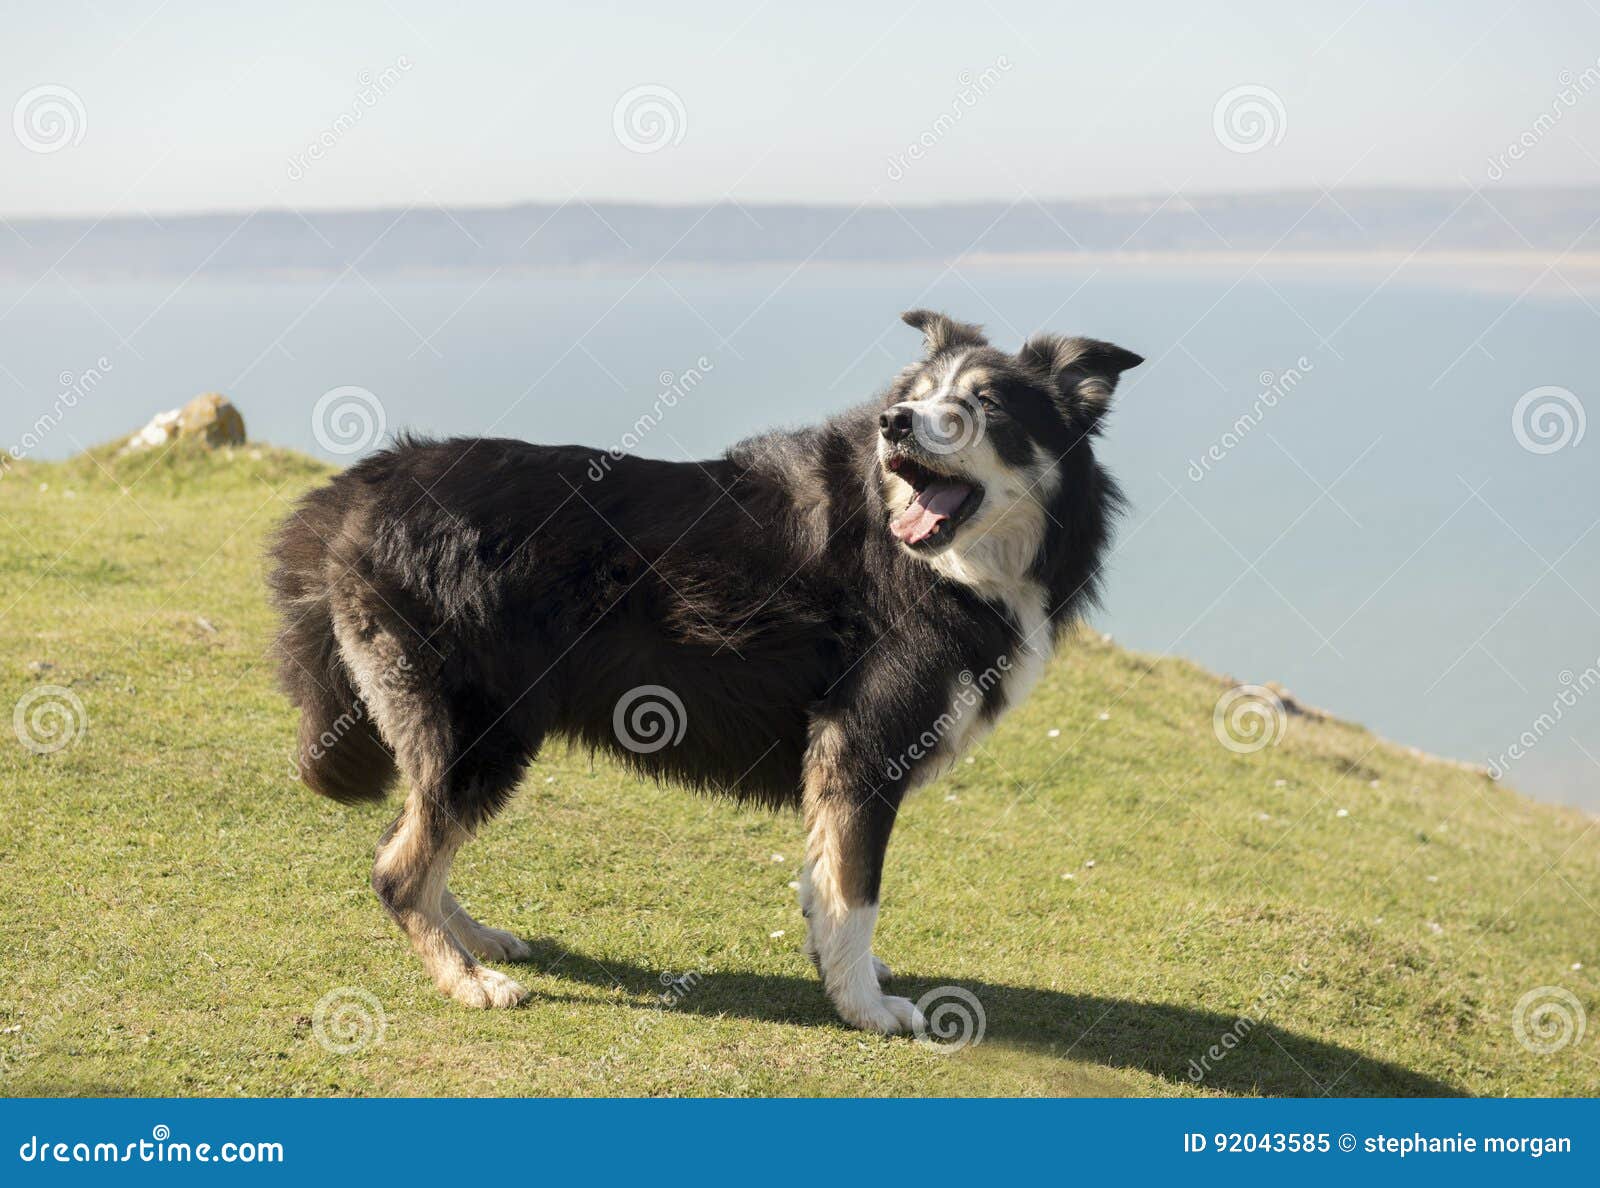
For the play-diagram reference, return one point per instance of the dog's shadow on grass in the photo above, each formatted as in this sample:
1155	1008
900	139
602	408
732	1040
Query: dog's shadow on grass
1183	1045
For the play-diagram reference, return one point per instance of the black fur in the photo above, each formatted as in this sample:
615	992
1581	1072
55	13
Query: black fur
528	589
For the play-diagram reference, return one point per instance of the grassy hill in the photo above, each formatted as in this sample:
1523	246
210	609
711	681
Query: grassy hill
1120	896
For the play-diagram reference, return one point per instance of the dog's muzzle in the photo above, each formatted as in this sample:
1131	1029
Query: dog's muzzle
895	423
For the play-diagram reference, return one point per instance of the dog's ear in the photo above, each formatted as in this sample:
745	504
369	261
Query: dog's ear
940	333
1083	371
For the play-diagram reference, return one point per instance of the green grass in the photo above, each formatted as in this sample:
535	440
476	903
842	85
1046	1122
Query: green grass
175	906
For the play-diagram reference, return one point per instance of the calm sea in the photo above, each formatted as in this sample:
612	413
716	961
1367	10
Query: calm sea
1332	483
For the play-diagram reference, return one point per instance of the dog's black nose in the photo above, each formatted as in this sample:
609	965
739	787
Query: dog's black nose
895	423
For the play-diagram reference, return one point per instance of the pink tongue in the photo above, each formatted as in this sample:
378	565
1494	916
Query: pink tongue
934	504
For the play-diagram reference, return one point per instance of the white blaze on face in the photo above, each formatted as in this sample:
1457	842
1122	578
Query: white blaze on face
995	548
942	421
952	372
945	424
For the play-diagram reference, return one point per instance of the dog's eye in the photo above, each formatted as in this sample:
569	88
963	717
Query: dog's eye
985	398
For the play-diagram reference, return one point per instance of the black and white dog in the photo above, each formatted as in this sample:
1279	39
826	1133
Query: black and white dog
824	617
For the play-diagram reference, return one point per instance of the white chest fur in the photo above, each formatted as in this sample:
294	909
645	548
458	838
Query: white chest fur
993	559
977	699
1036	642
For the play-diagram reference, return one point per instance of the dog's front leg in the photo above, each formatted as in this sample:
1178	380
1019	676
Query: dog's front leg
849	816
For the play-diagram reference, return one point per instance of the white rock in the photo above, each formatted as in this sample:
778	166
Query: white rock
163	427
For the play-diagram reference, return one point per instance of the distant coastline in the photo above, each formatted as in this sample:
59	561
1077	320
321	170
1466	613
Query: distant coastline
1510	273
1489	236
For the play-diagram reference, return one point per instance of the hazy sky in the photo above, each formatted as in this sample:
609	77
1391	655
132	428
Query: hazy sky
196	106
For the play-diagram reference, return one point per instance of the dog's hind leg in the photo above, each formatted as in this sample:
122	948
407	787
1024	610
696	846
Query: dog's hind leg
485	775
452	791
848	821
409	875
488	944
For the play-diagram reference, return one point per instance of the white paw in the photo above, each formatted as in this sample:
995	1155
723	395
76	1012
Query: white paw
884	1014
486	988
493	944
881	968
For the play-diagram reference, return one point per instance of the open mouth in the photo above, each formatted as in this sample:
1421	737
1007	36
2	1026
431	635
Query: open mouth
941	503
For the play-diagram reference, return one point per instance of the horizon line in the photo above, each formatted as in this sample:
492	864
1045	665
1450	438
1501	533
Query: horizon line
778	203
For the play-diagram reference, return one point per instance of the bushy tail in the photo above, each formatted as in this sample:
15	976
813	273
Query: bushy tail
339	752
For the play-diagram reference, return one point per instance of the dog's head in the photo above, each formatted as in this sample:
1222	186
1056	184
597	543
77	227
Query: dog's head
971	440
